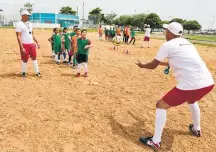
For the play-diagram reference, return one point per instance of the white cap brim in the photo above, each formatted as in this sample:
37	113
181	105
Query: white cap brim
165	26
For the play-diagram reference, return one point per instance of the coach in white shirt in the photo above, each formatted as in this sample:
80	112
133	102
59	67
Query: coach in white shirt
147	36
26	39
194	81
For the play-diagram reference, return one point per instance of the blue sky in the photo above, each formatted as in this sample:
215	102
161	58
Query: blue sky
200	10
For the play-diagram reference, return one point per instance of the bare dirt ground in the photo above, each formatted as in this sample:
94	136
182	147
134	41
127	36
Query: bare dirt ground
106	112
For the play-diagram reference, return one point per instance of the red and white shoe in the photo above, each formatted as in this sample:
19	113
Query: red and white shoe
148	142
78	75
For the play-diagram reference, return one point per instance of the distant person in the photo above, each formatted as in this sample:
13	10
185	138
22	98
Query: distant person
56	39
113	32
127	34
124	34
74	48
132	36
118	31
52	45
100	33
117	40
110	34
147	36
194	81
84	44
74	31
67	44
26	39
106	33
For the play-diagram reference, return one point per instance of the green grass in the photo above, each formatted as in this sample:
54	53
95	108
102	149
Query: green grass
92	30
7	27
197	43
210	38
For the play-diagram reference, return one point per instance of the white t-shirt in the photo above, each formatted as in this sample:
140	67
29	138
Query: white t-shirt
26	32
189	69
148	32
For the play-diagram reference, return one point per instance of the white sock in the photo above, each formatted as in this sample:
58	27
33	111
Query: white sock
85	65
160	121
195	111
35	64
56	57
24	67
79	68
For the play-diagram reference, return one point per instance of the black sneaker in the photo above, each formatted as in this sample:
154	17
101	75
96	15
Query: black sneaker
38	74
196	133
148	142
23	74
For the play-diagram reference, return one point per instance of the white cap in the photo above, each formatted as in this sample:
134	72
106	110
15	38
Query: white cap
25	12
148	25
174	27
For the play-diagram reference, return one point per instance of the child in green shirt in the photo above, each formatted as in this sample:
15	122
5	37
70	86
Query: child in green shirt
57	44
84	45
67	45
132	37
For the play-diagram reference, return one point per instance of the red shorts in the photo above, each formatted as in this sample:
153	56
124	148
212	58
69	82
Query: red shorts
177	97
146	38
30	51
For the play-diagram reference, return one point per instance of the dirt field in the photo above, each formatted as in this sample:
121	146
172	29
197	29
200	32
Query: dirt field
106	112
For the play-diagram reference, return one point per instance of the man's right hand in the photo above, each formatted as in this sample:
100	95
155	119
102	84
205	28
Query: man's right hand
23	51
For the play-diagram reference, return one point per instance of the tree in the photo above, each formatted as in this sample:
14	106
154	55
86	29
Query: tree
153	20
179	20
67	10
192	26
96	15
138	20
110	18
27	6
165	22
123	20
97	11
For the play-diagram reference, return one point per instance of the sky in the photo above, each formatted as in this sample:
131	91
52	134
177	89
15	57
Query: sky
202	11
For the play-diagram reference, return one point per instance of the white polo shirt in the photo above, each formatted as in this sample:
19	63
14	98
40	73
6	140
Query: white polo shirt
189	69
148	32
26	32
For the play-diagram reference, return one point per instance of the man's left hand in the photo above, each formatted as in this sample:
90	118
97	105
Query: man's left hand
38	45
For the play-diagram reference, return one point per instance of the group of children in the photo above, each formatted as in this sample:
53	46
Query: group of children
126	34
75	45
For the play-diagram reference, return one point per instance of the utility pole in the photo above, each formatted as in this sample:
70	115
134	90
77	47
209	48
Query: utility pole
213	23
77	14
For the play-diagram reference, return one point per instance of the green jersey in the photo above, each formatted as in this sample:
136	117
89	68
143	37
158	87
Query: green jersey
57	43
133	34
82	43
67	40
113	32
109	32
106	32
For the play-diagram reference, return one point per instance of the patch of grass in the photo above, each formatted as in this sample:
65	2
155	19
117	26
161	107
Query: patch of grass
210	38
205	44
92	30
7	27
